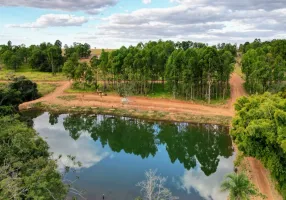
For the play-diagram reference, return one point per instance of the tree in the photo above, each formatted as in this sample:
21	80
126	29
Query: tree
239	187
28	89
70	66
192	71
153	188
264	66
259	130
26	170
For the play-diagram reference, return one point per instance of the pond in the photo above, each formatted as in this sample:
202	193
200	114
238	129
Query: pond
115	152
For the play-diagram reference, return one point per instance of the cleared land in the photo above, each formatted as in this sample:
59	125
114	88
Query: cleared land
34	76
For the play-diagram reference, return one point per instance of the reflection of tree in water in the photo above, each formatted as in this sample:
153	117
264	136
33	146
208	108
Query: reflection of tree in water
53	118
190	143
187	143
133	136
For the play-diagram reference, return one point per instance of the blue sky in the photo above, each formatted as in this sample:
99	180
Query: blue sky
113	23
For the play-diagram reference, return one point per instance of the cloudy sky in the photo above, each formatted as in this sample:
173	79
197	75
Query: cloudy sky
113	23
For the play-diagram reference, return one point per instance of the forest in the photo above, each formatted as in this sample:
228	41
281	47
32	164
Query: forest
264	65
187	70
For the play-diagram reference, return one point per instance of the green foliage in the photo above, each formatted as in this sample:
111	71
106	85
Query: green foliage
28	89
259	130
239	187
15	93
26	170
264	65
45	57
192	70
81	50
81	72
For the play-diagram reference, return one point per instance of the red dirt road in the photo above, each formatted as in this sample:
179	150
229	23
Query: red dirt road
143	103
258	173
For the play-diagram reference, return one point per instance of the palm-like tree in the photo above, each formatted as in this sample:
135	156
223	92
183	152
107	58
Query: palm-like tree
239	187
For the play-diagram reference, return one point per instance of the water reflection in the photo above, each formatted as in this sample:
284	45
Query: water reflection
187	143
116	151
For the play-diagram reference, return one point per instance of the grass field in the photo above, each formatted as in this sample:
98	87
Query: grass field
46	88
98	51
35	76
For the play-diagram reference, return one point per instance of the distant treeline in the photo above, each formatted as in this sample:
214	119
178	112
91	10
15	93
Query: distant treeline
187	69
45	57
264	65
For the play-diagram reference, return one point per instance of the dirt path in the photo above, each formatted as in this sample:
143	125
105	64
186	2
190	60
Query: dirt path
258	173
143	103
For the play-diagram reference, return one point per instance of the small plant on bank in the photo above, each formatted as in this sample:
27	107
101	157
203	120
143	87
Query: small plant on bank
239	187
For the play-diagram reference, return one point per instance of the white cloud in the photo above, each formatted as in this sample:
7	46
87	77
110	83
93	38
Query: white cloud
53	20
146	1
88	6
209	21
207	186
196	20
61	143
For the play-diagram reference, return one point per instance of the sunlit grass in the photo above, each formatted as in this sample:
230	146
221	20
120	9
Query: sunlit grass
46	88
32	75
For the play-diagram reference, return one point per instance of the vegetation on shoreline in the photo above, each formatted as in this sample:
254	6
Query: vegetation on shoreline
239	187
26	169
142	114
259	131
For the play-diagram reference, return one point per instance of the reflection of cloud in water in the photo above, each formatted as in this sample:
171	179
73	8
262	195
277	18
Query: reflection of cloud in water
84	149
207	186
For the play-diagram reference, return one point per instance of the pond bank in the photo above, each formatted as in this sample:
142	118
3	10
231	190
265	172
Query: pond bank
129	112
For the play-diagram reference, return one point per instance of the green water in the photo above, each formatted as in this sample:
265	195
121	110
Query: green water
116	151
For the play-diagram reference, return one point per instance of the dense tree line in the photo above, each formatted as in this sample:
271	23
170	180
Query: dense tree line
46	57
259	130
264	65
188	70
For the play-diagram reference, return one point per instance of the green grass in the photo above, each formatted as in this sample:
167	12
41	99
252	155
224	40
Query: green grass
32	75
159	91
67	98
46	88
79	88
238	71
214	102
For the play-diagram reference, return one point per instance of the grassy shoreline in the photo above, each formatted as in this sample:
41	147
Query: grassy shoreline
141	114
